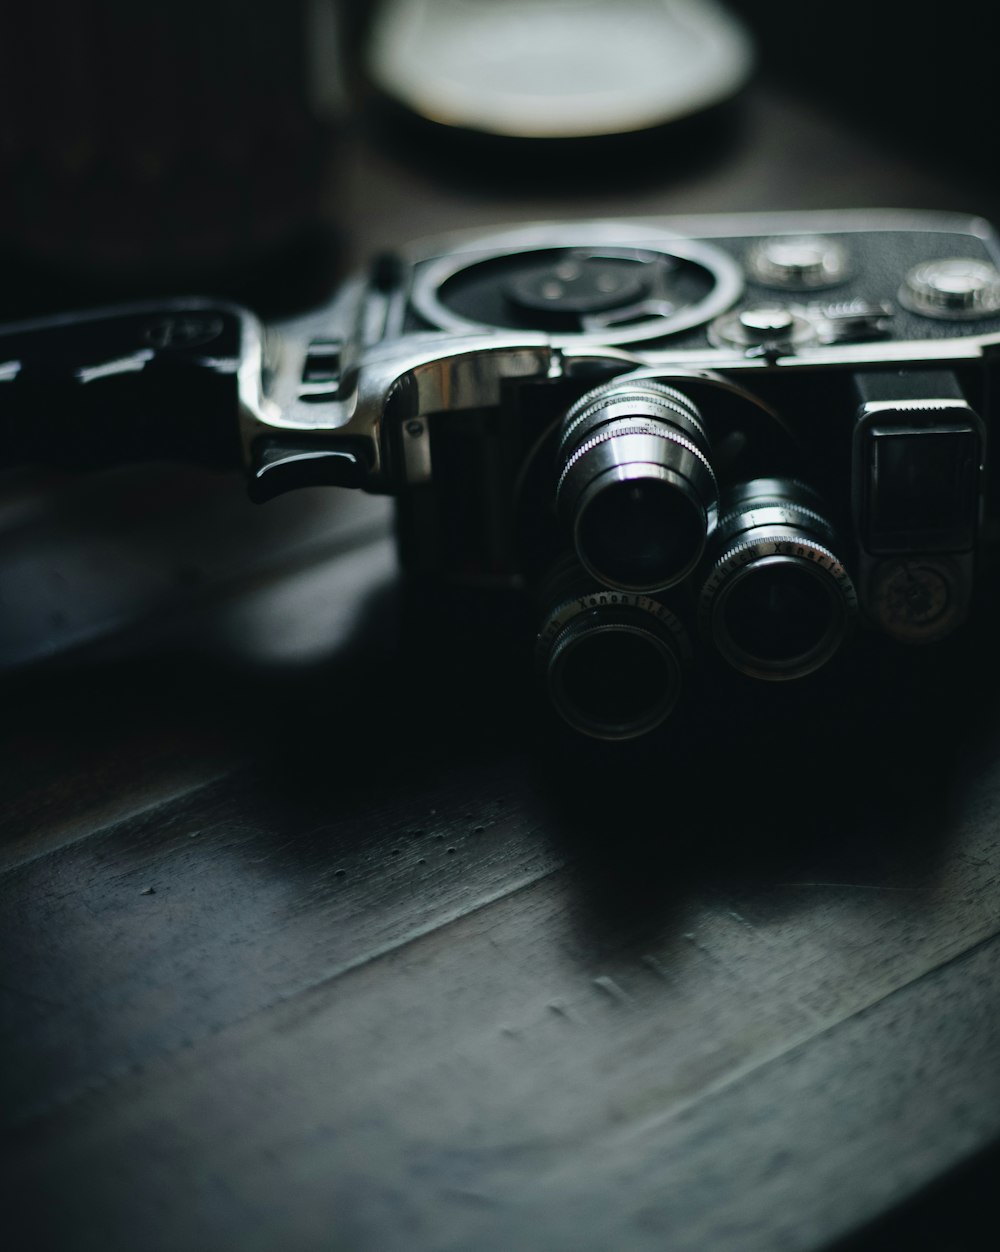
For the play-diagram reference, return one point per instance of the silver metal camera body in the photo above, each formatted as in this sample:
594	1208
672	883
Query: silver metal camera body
721	437
761	427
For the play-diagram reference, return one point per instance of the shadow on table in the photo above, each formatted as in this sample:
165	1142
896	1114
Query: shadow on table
848	777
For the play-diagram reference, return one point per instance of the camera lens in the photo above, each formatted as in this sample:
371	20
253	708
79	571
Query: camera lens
636	487
777	601
613	661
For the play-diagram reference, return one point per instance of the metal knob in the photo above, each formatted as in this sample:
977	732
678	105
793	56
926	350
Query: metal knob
774	327
801	263
954	288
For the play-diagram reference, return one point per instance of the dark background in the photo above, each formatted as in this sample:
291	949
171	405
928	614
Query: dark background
314	933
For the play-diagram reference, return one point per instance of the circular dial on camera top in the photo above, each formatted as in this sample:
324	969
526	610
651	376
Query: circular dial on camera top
799	262
915	598
600	293
952	289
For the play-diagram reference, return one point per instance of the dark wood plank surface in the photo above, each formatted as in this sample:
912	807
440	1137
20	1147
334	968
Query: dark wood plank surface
309	939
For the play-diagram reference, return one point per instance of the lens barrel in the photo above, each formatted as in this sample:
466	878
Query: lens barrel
636	487
613	661
776	601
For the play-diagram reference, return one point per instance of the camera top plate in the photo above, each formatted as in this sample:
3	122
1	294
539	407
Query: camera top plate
690	271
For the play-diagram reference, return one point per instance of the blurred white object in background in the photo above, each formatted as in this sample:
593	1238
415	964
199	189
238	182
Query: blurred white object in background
557	69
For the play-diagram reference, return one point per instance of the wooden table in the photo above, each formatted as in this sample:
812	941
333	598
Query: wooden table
309	940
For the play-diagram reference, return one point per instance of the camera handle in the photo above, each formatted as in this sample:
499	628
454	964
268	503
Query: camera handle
182	380
133	383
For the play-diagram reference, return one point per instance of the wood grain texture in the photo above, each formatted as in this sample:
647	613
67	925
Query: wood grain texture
444	1005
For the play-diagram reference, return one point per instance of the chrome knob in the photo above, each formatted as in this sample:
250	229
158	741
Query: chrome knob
800	263
954	288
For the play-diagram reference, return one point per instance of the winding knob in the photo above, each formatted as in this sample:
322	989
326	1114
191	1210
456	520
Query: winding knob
798	263
953	288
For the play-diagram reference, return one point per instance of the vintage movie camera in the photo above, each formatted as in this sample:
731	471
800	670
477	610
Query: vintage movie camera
724	440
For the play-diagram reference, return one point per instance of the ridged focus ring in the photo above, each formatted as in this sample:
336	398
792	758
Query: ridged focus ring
626	427
636	488
777	601
642	390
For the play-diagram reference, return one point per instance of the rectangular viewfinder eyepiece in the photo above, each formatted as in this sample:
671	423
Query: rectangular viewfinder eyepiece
918	467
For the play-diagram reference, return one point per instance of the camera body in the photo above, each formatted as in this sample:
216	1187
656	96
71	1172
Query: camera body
733	437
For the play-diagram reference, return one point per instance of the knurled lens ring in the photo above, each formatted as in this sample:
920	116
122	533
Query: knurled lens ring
612	677
778	617
636	487
777	601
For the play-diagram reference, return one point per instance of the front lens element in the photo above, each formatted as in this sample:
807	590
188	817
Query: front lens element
779	608
639	532
613	680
